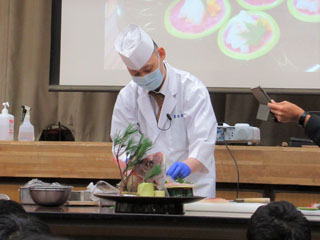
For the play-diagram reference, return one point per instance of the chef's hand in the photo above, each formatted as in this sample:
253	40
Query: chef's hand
179	169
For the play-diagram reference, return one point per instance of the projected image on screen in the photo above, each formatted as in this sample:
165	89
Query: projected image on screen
305	10
259	5
196	19
227	44
248	35
111	57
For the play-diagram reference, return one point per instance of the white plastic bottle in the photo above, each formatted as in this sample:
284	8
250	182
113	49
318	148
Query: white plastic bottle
6	124
26	129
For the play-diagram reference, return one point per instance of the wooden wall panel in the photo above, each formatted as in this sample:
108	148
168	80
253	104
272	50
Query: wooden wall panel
299	199
57	160
269	165
261	165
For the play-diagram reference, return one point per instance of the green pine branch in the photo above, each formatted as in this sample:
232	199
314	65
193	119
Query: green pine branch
156	170
124	143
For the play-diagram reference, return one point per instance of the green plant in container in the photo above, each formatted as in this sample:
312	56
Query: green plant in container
134	149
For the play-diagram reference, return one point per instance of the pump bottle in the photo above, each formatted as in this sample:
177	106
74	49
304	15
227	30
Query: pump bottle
26	129
6	124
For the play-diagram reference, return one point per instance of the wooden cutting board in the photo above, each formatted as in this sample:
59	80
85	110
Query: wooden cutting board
223	207
82	203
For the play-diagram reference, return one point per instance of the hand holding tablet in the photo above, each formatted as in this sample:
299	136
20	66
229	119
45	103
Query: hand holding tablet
263	98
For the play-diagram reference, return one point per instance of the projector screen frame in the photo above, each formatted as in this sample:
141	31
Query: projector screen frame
54	78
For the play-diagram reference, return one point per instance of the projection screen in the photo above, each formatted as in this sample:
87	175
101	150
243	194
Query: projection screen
231	45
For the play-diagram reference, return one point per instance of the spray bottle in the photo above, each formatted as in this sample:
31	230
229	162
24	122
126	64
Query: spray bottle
6	124
26	130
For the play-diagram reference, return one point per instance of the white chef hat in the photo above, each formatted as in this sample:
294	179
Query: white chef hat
135	46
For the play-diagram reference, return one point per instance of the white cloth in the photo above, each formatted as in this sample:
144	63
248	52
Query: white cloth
193	129
135	46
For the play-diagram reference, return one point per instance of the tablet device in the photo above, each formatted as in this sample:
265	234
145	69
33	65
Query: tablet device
261	95
263	98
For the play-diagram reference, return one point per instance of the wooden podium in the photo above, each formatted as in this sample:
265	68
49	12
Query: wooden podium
283	173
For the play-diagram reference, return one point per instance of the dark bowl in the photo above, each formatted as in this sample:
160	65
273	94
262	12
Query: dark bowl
50	195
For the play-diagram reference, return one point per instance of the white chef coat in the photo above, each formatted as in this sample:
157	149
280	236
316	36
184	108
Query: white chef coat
192	133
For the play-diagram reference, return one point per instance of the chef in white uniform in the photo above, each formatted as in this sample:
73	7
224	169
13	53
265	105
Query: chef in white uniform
182	124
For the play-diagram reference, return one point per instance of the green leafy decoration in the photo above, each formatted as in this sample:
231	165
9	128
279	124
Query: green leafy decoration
116	140
156	170
255	33
125	143
137	152
180	180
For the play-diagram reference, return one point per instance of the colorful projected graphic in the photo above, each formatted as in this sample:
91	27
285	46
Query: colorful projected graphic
305	10
259	5
248	35
196	19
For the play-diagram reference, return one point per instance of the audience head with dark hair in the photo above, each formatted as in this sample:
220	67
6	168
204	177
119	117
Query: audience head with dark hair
278	221
21	226
9	206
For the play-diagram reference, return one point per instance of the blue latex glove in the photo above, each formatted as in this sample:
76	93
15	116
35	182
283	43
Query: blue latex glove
179	169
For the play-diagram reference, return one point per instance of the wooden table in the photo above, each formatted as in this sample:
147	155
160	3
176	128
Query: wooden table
89	222
278	172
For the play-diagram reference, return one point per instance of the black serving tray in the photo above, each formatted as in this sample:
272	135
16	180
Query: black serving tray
152	205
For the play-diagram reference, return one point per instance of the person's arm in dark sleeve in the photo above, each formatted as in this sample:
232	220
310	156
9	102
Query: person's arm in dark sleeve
312	129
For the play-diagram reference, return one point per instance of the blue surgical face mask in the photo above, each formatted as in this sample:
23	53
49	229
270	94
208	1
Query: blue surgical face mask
151	81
